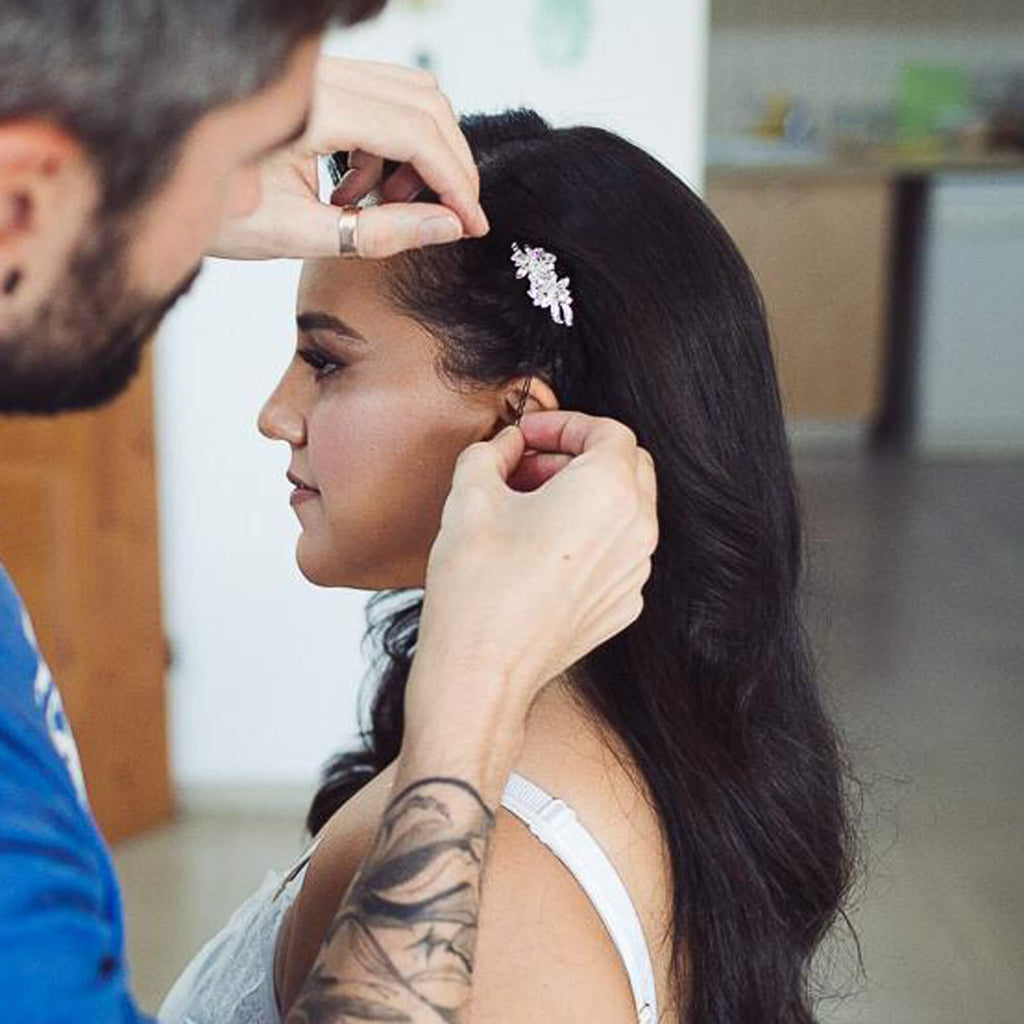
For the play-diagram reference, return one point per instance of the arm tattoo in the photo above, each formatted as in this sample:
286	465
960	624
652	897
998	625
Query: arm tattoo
401	947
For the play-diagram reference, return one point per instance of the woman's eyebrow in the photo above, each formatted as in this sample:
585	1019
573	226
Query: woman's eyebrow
317	320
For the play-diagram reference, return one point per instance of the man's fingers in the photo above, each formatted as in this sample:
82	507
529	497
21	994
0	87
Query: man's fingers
403	186
645	472
573	433
343	68
395	227
536	469
364	172
489	462
406	87
377	115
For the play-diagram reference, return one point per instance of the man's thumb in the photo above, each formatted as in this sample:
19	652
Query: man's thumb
391	228
492	461
510	445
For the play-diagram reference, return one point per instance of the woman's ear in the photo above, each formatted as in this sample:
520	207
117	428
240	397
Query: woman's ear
540	398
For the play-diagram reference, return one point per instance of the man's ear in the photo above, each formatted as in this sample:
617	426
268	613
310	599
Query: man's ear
48	191
540	398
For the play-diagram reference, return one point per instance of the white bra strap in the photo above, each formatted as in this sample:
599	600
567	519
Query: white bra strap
303	860
555	824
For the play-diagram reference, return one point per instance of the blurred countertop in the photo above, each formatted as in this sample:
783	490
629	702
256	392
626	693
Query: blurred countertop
748	158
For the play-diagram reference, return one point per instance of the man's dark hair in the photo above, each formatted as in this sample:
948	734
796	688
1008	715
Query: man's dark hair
129	78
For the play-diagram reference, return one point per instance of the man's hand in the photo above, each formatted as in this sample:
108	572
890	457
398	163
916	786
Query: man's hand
375	112
522	583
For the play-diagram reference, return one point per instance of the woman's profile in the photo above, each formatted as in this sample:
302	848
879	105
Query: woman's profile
675	842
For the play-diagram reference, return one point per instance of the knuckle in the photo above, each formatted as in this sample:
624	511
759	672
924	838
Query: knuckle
426	79
424	121
469	506
615	493
442	106
626	433
653	536
470	453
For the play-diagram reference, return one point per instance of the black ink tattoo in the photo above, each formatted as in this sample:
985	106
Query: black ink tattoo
401	947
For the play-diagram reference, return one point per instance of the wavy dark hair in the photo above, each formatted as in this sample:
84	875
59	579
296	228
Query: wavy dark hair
713	689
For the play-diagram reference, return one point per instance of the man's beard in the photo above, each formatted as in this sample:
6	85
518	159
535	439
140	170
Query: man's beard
85	344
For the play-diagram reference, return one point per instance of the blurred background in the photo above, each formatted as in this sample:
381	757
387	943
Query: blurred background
869	161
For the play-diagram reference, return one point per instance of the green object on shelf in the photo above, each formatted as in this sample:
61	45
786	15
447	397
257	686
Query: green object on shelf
932	99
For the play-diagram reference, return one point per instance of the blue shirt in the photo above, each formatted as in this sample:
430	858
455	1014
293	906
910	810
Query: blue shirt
61	921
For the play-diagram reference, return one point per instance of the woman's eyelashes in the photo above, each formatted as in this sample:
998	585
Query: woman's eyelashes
322	364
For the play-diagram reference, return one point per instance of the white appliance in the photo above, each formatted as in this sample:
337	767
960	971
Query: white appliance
971	373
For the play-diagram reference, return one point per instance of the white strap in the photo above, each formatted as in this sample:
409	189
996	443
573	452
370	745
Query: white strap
555	824
292	873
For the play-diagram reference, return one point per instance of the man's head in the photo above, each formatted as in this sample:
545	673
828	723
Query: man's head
129	129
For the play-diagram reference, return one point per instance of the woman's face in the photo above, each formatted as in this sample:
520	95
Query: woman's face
374	430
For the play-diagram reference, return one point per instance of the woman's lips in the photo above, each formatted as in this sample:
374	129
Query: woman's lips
302	492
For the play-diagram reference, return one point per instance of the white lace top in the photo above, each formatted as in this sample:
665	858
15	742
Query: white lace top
231	979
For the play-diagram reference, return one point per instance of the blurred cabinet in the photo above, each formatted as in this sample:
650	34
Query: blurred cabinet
819	247
78	534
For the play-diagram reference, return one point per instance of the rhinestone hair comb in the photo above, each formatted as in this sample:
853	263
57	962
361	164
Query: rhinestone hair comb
547	289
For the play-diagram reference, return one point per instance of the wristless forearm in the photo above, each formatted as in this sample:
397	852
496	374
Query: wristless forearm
403	943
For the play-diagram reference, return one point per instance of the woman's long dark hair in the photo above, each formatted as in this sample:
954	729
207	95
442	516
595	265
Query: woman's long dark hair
713	688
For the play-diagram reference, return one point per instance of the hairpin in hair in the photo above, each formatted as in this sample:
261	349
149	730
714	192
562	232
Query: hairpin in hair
547	289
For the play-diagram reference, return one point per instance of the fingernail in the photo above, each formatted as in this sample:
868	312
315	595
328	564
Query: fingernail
439	229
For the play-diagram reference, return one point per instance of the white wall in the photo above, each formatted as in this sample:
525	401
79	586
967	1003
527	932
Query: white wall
263	684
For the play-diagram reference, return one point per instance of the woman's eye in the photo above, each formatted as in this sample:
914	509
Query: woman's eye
322	366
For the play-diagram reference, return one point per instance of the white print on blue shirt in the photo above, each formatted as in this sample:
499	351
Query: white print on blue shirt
52	707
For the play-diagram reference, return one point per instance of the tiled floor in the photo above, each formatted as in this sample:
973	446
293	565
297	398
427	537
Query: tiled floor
917	607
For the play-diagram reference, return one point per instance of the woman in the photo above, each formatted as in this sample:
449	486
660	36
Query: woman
714	850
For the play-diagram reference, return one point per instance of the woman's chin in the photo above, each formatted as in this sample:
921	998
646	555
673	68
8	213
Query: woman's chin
330	569
319	567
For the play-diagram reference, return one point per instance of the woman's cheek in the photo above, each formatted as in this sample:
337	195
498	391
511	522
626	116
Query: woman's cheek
359	449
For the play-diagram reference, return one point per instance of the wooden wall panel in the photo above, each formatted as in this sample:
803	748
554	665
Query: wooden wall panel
819	248
78	534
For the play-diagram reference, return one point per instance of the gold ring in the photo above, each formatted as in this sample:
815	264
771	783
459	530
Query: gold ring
348	231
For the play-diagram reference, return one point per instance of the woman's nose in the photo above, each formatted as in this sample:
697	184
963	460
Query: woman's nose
281	419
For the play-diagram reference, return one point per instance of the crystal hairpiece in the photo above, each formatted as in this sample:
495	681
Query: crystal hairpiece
547	289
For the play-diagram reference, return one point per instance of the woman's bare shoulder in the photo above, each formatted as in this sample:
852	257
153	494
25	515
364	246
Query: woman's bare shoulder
342	845
573	757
